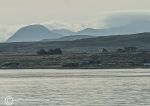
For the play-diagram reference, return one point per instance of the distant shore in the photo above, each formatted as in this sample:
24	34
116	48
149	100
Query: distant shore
76	61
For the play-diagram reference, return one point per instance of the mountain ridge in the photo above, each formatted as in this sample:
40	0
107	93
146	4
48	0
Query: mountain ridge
140	40
32	33
39	32
70	38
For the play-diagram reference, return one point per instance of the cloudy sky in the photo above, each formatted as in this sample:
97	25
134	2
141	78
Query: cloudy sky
23	12
14	12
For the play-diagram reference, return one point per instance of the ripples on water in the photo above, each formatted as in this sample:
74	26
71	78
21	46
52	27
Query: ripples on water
76	87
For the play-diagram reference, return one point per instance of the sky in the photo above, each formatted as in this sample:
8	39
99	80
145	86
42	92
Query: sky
70	13
14	12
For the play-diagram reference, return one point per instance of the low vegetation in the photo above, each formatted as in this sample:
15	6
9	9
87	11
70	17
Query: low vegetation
55	59
56	51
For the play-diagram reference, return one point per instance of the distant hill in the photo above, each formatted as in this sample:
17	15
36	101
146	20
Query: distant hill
64	32
140	40
90	31
70	38
85	33
33	33
39	32
134	27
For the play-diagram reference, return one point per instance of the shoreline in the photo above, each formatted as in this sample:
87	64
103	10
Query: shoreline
76	61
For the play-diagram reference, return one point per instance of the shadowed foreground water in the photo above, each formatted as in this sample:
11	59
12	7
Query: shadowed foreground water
75	87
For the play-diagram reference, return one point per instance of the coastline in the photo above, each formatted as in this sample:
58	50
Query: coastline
76	61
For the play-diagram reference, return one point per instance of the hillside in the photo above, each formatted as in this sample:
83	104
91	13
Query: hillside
33	33
40	32
64	32
140	40
70	38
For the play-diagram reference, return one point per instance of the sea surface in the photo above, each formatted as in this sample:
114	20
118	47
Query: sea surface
125	87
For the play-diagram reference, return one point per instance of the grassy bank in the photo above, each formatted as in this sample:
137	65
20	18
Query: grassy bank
76	61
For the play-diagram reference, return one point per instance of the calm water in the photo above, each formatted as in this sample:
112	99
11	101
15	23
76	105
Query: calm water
75	87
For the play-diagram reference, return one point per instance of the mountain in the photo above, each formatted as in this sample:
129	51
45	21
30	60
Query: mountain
107	31
70	38
90	31
64	32
39	32
140	40
128	22
130	28
33	33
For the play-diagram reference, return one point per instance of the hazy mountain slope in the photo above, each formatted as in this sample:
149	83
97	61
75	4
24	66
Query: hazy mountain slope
141	40
133	27
70	38
91	31
39	32
33	33
64	32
